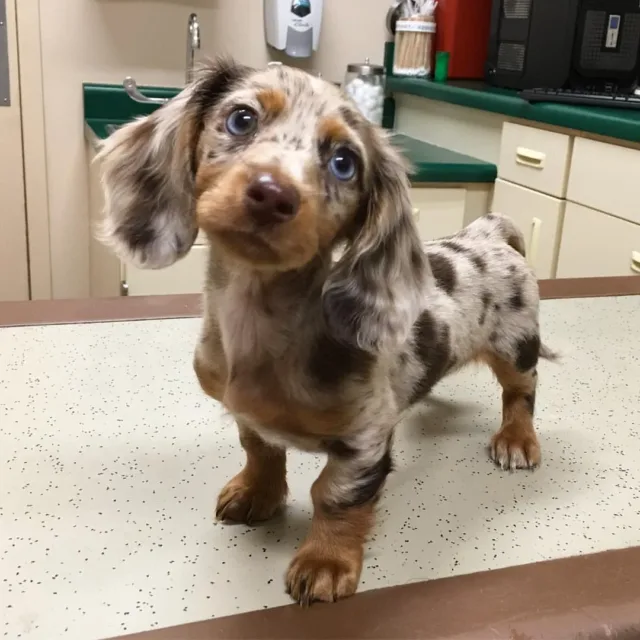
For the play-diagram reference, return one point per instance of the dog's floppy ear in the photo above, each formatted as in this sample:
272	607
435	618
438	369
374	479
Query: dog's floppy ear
148	169
375	292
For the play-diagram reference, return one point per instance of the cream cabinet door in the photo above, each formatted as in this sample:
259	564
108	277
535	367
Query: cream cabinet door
14	283
539	217
438	212
605	177
535	158
185	276
597	244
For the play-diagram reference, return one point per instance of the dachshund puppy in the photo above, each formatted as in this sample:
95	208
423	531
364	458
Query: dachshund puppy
325	318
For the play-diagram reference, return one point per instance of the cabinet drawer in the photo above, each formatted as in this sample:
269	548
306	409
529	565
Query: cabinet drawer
596	244
535	158
185	276
605	176
539	217
438	212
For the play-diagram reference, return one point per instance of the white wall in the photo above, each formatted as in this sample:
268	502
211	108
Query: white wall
105	40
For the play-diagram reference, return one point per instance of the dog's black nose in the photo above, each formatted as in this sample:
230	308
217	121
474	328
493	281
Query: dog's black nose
270	201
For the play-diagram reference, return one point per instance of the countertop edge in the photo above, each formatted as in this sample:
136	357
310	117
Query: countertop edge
592	596
607	123
123	309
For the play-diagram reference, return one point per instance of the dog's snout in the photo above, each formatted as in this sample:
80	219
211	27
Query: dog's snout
269	200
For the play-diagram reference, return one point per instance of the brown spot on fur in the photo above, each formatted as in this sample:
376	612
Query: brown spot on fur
527	352
486	301
332	362
515	445
257	492
516	301
455	246
443	272
273	101
479	263
434	352
339	448
369	483
352	117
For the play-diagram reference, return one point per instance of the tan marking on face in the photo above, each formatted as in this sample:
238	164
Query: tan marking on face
206	179
273	101
334	129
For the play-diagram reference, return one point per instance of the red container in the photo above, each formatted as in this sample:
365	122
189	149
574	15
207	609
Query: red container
463	31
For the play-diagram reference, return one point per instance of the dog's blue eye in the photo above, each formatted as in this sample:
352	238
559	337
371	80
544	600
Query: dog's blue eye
242	122
343	164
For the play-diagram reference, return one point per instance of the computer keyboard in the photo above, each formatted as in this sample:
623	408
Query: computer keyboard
582	97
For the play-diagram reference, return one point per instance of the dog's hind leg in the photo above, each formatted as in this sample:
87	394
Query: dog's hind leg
515	445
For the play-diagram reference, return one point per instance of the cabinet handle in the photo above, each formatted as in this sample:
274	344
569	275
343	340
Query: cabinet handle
416	213
635	261
530	158
534	241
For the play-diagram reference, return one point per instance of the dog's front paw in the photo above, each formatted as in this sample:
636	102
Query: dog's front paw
515	450
317	576
244	501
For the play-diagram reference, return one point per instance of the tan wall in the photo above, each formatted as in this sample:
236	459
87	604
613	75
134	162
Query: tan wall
105	40
14	277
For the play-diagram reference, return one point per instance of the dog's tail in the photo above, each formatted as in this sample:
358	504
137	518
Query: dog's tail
512	235
548	354
497	224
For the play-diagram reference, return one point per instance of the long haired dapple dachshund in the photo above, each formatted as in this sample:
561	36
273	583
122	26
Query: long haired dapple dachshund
325	317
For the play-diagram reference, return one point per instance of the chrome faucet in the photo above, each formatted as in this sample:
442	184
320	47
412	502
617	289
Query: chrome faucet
193	43
131	88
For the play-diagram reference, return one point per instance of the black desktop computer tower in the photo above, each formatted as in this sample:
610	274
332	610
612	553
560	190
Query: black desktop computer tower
564	43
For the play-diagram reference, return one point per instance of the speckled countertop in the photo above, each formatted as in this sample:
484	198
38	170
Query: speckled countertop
111	459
